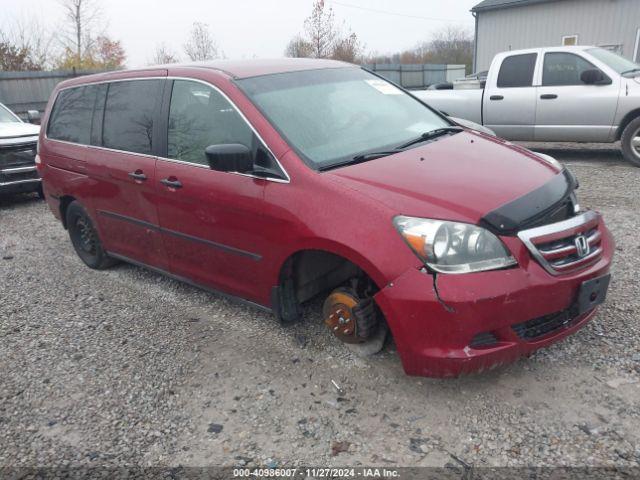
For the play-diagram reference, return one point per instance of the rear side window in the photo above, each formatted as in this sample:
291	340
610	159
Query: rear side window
71	116
563	69
129	115
517	71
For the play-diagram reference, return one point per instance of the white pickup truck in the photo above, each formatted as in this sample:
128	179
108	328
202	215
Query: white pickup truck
18	144
555	94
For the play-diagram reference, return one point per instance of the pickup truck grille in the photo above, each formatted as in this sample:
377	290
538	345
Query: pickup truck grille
19	155
566	246
18	175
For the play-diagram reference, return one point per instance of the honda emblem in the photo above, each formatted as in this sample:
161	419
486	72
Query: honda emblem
582	246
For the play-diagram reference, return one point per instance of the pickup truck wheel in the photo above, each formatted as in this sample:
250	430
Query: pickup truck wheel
355	321
84	238
631	142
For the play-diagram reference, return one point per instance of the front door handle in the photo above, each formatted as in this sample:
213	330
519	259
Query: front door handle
549	96
171	183
138	175
496	97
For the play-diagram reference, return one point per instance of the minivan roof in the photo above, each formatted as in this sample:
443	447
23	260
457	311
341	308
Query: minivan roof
236	69
257	67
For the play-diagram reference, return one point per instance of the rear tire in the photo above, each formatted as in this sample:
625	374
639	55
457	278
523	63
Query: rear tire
84	238
631	142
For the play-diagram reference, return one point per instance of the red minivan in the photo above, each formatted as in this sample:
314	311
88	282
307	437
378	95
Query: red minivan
280	181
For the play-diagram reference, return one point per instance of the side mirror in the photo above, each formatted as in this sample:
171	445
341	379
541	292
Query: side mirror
230	157
33	116
594	77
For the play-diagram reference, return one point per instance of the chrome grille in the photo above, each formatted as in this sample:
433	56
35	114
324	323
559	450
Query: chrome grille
566	246
17	155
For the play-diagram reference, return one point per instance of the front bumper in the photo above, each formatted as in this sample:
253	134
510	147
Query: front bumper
18	169
23	185
437	320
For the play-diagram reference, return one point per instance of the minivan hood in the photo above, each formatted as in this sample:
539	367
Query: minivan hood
18	129
460	177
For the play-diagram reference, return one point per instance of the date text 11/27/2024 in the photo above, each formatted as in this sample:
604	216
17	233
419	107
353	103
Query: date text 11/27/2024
362	472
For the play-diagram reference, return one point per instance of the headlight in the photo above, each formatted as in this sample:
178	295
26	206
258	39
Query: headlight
451	247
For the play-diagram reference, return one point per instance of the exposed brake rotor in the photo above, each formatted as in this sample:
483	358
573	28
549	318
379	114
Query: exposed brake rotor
350	318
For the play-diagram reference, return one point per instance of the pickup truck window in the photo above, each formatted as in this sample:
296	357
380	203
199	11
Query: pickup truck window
613	60
562	69
6	116
517	71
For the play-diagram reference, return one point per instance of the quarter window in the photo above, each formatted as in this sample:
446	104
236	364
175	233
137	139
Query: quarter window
563	69
98	114
71	116
517	71
200	116
129	115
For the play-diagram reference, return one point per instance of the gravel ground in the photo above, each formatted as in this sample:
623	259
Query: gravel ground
126	367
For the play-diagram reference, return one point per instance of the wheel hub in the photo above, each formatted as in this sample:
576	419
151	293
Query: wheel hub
339	317
87	241
635	143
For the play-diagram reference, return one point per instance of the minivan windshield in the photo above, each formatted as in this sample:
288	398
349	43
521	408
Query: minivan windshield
6	116
333	115
613	60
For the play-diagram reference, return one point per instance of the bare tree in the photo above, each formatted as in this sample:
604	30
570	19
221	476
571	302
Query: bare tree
201	44
163	55
324	39
81	16
299	47
348	49
29	36
452	44
321	30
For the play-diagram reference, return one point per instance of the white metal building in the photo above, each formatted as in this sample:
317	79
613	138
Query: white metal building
503	25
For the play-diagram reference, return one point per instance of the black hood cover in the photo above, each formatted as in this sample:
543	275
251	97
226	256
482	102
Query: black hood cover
552	202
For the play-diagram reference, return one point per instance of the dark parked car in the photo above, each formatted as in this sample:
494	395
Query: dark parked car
18	141
281	181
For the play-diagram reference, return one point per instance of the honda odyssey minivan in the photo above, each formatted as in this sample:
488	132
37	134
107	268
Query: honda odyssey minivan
281	181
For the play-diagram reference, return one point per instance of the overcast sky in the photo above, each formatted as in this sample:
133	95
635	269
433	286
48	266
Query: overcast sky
254	28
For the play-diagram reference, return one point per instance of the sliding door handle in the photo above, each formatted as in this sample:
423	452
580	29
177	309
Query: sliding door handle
548	96
496	97
171	183
138	175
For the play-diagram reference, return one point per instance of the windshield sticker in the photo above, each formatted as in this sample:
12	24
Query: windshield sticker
384	87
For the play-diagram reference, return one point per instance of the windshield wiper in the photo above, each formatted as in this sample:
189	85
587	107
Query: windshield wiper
429	135
361	158
631	71
365	157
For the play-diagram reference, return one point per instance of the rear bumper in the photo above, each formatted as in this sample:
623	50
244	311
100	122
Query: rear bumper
435	331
